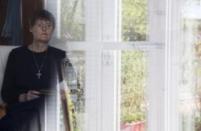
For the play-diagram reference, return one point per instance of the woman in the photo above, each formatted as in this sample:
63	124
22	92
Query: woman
30	73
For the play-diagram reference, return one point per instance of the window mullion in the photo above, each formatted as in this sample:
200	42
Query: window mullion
155	90
54	6
173	59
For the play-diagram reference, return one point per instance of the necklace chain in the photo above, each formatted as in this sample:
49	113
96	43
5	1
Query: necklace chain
39	67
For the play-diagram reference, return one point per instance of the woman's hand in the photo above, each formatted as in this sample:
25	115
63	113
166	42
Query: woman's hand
30	95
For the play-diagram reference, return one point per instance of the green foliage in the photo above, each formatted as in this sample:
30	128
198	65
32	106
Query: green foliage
137	116
134	20
134	28
197	123
133	106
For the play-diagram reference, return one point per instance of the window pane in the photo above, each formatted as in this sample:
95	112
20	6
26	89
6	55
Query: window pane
75	79
190	88
72	20
134	20
133	84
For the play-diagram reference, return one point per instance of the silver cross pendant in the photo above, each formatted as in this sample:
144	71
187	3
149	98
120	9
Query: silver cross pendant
38	74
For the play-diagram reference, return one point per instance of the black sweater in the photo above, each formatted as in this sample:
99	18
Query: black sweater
20	74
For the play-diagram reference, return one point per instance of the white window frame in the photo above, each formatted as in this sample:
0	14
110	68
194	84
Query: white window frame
101	32
173	57
162	53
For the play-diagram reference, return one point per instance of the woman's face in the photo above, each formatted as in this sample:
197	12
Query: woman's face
42	31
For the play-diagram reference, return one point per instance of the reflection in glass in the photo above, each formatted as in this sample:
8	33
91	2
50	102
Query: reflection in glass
75	78
133	84
72	20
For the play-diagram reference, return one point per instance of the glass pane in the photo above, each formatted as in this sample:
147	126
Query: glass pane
75	77
133	84
190	88
72	20
134	20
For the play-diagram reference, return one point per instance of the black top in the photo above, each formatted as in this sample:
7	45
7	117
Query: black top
20	74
